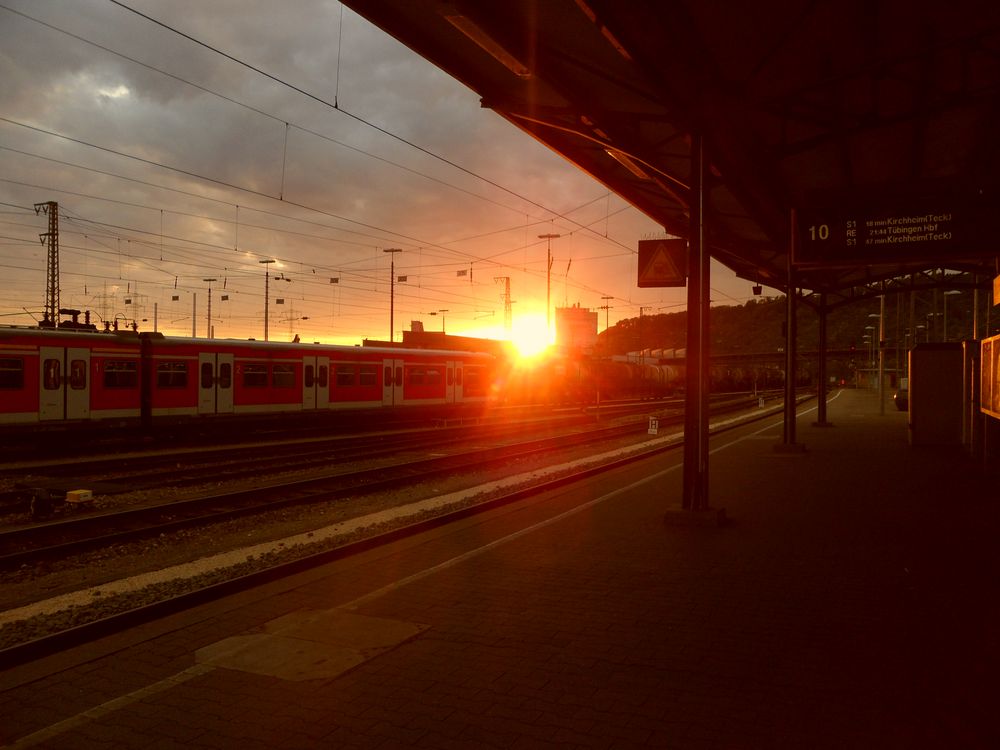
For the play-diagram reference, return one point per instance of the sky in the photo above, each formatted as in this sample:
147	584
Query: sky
173	163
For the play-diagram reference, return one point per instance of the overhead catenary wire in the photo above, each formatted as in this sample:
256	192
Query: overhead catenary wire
164	242
238	187
336	106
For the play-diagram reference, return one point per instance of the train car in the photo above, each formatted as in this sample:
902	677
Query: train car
51	376
57	376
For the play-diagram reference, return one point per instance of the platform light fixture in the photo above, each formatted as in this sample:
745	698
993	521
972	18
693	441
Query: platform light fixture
628	162
489	45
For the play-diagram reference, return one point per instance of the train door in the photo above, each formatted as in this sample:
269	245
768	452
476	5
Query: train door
215	383
315	383
78	384
392	382
63	383
459	392
308	383
449	382
224	374
322	382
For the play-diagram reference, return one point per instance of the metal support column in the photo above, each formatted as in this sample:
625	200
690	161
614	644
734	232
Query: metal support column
881	353
821	375
788	437
696	398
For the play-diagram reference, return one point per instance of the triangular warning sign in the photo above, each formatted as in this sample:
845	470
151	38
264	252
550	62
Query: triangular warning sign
662	263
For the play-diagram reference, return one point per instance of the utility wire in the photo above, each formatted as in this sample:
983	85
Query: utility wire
336	106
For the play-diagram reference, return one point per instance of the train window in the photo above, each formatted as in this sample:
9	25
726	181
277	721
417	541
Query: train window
458	376
78	374
11	373
399	376
424	375
121	373
254	376
368	375
345	376
309	376
388	377
52	375
207	381
474	381
322	376
451	376
225	375
172	375
283	376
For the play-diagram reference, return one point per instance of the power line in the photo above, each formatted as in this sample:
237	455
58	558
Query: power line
253	109
267	196
335	106
256	110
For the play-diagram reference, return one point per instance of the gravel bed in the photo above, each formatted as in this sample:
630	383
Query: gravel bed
39	600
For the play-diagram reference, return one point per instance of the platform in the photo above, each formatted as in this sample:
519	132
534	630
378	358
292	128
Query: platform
850	601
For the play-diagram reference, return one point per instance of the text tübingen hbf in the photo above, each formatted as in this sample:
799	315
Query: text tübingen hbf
895	230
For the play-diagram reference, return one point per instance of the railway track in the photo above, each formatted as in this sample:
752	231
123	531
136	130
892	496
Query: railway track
186	467
32	544
111	617
29	545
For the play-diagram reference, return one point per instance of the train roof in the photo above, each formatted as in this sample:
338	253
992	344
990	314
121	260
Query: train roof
135	337
67	333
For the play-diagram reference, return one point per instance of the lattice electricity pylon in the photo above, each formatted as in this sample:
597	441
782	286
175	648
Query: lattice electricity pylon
51	317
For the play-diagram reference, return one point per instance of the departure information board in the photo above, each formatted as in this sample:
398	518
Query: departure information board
896	226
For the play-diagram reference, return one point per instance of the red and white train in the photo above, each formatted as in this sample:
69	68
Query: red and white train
60	375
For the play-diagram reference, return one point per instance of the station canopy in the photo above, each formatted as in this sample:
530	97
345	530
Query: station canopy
873	122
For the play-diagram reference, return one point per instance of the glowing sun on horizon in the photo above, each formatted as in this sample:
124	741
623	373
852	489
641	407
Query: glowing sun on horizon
529	335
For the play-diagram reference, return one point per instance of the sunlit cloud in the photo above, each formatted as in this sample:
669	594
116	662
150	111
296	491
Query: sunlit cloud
181	183
116	92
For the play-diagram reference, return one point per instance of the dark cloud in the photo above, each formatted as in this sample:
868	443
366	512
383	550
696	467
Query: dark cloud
211	208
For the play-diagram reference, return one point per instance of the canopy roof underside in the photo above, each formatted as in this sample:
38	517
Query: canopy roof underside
795	99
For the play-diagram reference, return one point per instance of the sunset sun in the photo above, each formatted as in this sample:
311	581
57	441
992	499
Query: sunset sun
530	335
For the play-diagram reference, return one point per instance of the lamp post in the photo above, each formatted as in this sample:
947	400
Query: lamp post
267	289
548	279
208	329
392	286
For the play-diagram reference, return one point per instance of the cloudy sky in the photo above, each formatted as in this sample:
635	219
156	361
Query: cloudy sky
173	163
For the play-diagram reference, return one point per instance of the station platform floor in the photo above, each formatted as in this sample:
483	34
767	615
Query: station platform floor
852	602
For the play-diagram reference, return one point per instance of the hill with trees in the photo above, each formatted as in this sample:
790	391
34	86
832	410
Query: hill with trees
757	327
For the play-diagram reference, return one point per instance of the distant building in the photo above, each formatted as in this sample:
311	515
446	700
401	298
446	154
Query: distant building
576	329
418	338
